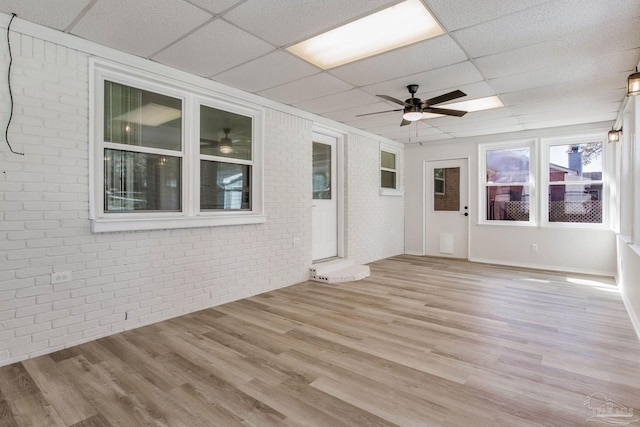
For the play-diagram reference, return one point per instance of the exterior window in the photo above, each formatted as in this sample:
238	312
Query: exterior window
439	181
507	184
388	170
169	155
142	150
575	185
225	160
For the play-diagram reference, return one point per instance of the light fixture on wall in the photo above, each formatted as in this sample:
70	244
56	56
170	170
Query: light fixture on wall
226	145
614	135
633	83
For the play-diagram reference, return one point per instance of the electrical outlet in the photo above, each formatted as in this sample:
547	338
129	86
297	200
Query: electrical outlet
296	240
534	247
61	277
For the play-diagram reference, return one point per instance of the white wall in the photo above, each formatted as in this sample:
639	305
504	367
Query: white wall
581	250
628	187
127	279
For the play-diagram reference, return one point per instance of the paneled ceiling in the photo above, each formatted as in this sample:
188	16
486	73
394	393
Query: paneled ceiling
551	62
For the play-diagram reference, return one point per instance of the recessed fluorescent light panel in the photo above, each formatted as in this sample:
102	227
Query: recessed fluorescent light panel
400	25
479	104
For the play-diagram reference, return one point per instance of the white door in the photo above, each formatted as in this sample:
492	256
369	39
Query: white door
447	208
324	232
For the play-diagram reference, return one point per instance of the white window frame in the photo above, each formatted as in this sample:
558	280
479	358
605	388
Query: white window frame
397	151
483	184
192	97
546	143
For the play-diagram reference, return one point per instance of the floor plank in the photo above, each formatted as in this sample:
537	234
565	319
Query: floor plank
422	342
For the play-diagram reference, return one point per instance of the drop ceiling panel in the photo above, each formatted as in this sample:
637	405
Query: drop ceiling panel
271	70
570	103
316	86
215	6
456	14
482	124
552	62
568	72
475	116
415	58
349	114
540	23
371	122
337	102
605	108
284	22
602	84
578	120
141	27
487	131
573	47
433	80
58	14
213	48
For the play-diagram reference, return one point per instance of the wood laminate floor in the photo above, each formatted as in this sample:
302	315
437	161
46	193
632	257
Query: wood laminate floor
422	342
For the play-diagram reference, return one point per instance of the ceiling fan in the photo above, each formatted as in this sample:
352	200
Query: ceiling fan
225	145
414	107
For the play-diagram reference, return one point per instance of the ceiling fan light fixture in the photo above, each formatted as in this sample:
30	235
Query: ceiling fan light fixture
412	115
633	83
226	145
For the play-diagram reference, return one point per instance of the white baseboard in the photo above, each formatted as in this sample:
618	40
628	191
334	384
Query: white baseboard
544	267
635	321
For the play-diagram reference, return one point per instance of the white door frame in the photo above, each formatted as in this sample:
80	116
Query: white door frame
427	197
340	140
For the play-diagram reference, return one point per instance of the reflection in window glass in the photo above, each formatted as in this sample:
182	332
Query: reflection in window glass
508	166
224	186
138	117
507	185
225	134
387	179
508	203
141	182
446	189
321	178
387	160
438	181
575	183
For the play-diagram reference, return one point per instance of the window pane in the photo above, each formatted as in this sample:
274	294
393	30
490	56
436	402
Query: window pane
138	117
225	134
388	179
141	182
575	203
224	186
446	186
321	171
575	162
508	166
387	160
508	203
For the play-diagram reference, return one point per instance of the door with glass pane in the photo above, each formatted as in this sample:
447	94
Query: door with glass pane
447	208
324	233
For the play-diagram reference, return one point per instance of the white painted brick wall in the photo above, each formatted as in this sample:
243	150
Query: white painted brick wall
124	280
374	223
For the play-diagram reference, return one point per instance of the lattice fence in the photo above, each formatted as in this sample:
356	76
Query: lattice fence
584	212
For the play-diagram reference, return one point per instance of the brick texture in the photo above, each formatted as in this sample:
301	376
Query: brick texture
128	279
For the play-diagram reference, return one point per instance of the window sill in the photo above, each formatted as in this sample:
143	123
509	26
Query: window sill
508	223
391	192
107	225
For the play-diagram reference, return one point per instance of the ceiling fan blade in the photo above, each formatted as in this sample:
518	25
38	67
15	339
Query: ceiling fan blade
378	112
445	111
392	99
405	122
446	97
